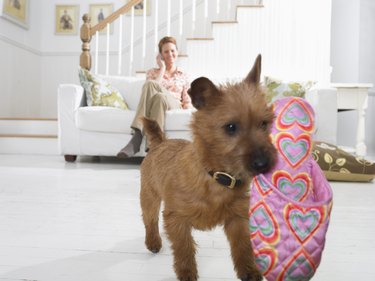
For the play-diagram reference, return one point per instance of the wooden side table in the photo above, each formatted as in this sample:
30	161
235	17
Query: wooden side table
354	96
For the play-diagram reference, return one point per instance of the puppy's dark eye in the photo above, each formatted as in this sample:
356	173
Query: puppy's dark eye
230	129
263	125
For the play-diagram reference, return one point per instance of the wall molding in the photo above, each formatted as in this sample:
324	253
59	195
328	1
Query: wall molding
34	51
19	45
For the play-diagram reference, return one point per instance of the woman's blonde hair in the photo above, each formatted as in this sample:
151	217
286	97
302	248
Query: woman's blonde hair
165	40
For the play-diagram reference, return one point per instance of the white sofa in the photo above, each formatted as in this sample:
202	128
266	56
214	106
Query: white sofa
103	131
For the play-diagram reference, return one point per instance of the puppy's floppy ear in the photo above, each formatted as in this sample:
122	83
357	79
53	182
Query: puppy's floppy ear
201	91
254	74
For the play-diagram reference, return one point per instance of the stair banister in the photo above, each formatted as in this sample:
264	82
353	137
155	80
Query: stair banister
120	46
155	26
85	58
205	15
180	19
107	51
87	31
111	18
131	53
229	9
193	11
144	33
168	17
96	52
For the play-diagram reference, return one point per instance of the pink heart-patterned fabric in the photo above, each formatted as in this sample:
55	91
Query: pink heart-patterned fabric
295	112
294	150
297	186
290	206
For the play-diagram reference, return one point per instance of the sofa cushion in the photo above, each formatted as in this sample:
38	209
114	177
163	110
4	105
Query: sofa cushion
339	165
276	89
114	120
129	87
99	92
178	119
104	119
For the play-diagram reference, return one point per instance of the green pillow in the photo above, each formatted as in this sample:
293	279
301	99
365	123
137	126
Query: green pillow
276	89
99	92
339	165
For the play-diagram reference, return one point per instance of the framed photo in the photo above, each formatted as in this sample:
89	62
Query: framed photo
16	11
138	9
66	21
99	12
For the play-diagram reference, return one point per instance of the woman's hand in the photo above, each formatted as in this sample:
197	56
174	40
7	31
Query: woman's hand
160	62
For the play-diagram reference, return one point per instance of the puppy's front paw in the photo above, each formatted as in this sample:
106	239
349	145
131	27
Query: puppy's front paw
153	244
189	278
188	275
253	276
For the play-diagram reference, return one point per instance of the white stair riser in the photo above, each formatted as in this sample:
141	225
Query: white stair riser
22	127
44	146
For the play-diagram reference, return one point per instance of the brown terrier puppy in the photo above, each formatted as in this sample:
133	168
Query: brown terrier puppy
205	183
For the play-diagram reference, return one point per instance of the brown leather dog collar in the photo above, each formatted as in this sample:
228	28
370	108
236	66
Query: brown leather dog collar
225	179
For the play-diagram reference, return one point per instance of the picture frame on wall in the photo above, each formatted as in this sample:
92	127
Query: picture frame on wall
138	9
66	19
99	12
16	11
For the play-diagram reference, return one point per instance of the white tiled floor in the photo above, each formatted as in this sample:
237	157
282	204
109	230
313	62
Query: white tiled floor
76	222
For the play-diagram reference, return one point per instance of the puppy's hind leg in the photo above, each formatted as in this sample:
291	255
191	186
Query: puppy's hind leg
150	204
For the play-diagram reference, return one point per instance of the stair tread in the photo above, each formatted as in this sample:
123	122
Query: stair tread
251	6
26	119
225	21
42	136
200	38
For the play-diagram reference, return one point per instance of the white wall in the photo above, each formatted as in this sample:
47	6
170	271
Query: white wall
367	64
345	40
367	42
353	60
20	67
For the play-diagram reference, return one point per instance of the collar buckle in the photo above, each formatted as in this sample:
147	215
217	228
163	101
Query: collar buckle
224	177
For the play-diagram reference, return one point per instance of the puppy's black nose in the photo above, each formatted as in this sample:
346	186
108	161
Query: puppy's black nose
260	164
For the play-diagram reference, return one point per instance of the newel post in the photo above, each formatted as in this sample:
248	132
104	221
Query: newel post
85	58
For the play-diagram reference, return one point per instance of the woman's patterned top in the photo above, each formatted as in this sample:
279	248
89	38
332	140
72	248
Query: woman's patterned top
177	85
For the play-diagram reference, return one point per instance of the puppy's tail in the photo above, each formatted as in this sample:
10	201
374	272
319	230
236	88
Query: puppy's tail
154	134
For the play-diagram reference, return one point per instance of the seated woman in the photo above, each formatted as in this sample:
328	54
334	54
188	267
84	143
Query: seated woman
166	88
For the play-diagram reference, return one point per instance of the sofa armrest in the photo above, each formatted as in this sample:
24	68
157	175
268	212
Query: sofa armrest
324	102
69	98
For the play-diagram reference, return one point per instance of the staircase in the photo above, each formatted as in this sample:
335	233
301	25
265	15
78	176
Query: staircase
28	136
292	48
207	43
225	46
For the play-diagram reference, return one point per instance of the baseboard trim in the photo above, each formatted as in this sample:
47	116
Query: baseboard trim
30	144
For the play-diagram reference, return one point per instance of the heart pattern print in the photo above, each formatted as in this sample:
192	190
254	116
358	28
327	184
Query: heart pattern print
290	206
